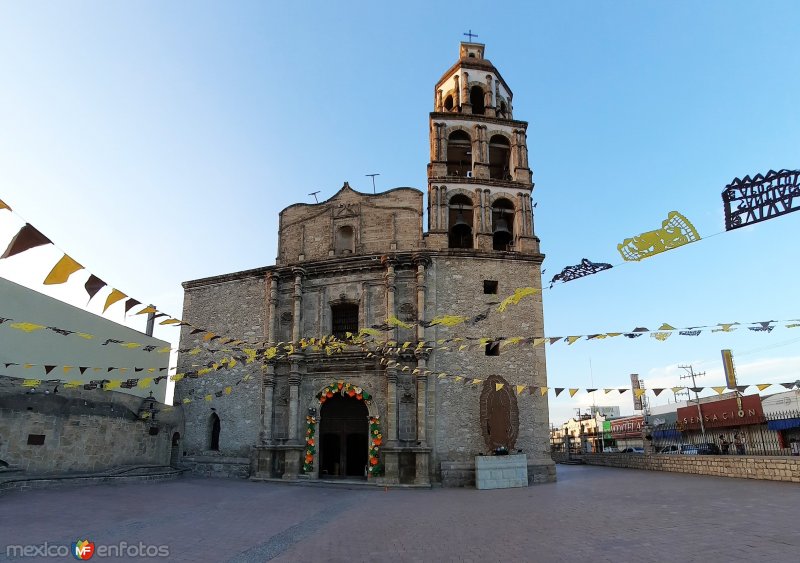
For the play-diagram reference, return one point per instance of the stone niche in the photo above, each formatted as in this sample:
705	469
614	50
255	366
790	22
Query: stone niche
501	471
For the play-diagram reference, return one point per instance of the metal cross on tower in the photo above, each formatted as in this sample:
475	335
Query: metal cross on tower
470	35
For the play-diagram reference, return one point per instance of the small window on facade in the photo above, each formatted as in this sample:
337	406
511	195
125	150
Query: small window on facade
448	103
154	430
490	287
345	240
344	320
35	439
493	349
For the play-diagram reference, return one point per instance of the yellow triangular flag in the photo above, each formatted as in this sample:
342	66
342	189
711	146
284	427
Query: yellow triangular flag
762	386
543	391
498	386
676	389
62	271
26	327
228	390
607	391
572	339
31	382
113	297
84	335
208	397
208	336
130	344
538	342
719	390
113	384
638	392
67	368
520	389
4	205
186	400
148	309
73	384
145	381
572	392
458	378
169	322
477	381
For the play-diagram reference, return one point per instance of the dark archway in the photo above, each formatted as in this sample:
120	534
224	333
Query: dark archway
215	428
499	414
502	224
344	437
459	153
499	158
460	222
476	97
175	454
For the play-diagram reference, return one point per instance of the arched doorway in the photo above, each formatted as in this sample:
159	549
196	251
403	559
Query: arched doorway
215	429
343	437
175	453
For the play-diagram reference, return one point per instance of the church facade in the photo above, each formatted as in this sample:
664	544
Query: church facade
405	413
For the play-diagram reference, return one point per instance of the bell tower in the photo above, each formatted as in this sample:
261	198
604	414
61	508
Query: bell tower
479	182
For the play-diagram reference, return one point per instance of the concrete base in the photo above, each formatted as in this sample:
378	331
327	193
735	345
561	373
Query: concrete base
501	471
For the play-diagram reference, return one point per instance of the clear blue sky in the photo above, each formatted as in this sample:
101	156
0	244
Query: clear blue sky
156	142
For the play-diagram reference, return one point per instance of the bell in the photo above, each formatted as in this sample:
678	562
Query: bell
501	226
460	220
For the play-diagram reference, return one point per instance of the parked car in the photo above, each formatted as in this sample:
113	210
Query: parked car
686	449
708	448
633	451
611	450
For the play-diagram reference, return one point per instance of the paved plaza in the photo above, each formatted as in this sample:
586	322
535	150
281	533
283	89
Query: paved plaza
590	514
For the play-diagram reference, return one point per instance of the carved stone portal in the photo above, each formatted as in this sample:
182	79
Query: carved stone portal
499	414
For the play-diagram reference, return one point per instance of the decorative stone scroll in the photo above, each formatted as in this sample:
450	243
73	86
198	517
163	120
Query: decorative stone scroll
585	268
752	200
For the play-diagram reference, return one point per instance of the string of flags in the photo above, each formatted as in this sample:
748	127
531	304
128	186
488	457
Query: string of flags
745	201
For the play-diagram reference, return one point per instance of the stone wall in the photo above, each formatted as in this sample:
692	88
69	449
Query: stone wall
771	468
385	222
455	287
462	473
82	431
231	306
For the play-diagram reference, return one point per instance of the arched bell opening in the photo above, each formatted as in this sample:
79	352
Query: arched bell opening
343	437
502	225
499	158
476	99
460	222
459	154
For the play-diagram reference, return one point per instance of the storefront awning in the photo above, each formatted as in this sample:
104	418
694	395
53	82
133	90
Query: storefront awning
783	424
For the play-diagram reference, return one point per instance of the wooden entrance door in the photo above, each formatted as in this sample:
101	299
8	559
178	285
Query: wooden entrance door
344	437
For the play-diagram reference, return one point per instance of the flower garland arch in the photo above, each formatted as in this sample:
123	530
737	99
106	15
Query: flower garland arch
375	435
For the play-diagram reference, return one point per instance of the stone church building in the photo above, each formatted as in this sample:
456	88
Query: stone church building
356	260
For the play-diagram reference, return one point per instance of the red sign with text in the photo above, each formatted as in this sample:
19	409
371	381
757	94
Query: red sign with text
727	412
628	427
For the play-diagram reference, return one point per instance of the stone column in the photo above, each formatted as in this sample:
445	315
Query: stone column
457	91
294	400
523	149
272	308
391	407
390	288
481	227
489	91
269	391
298	301
443	209
466	103
433	209
438	101
487	209
422	399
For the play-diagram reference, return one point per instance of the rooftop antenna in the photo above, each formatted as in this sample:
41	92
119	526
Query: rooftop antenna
373	180
315	196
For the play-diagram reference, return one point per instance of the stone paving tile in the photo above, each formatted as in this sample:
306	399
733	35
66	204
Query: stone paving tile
592	514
